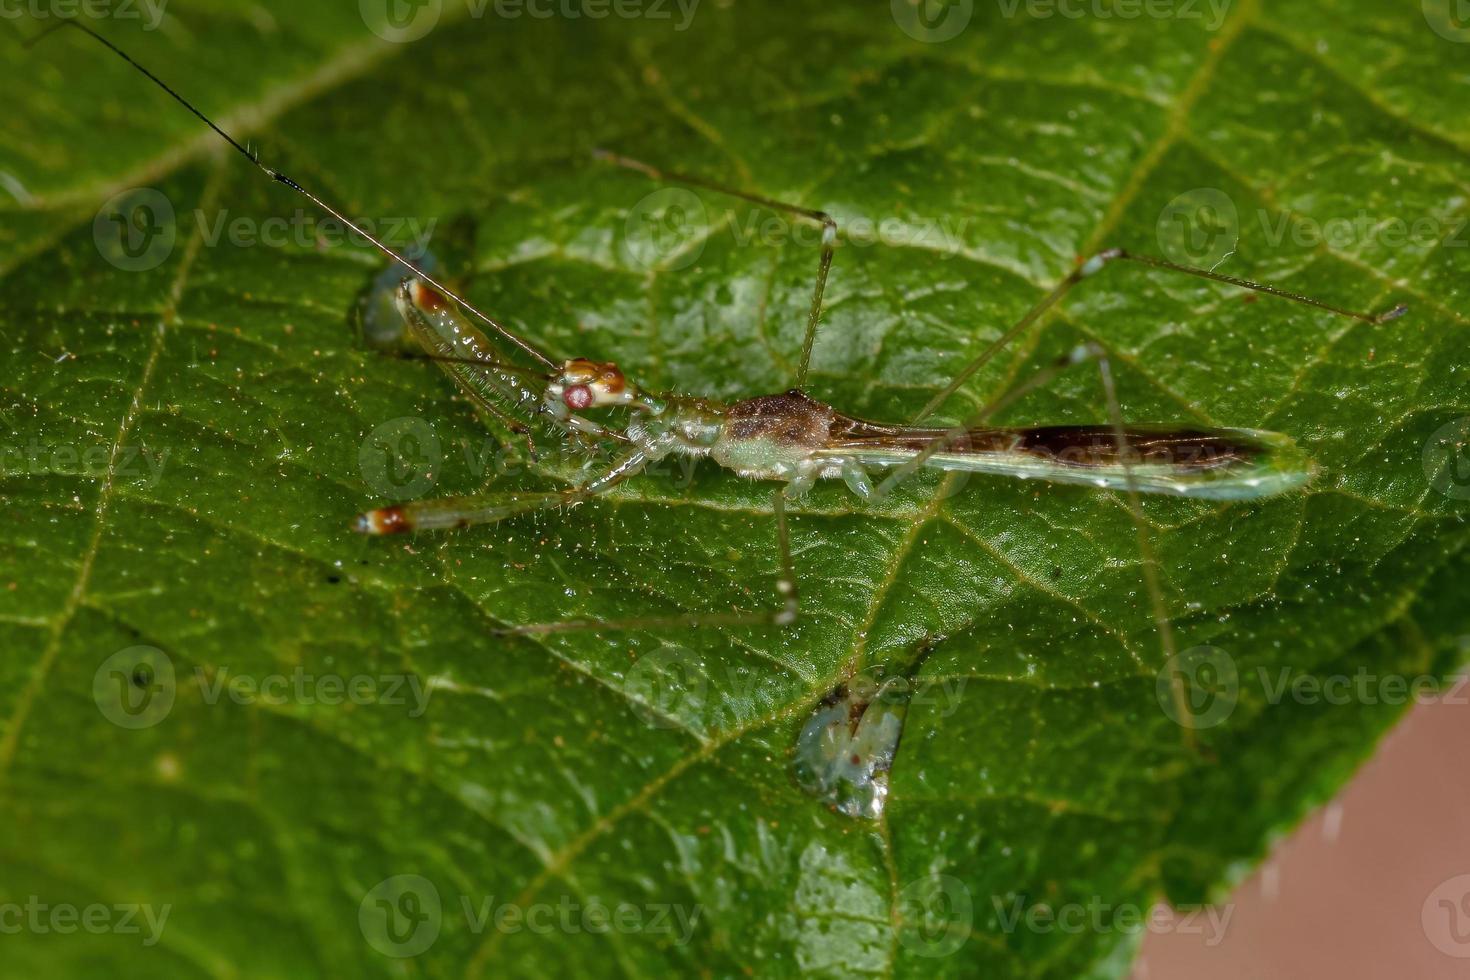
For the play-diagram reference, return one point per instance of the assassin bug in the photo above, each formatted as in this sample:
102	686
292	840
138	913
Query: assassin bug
793	440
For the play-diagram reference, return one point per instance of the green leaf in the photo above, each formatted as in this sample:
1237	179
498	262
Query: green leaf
220	703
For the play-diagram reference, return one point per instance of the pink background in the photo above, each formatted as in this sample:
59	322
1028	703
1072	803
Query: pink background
1345	895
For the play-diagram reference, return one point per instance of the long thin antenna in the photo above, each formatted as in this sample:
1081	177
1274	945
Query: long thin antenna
281	178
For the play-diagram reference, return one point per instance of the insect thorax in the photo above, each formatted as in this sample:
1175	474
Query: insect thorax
772	437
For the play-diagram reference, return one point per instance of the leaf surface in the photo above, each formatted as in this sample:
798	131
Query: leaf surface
189	443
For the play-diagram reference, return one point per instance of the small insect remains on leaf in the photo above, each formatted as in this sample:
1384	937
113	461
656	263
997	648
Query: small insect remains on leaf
845	749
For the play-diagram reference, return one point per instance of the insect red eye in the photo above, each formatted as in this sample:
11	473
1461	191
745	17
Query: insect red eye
578	397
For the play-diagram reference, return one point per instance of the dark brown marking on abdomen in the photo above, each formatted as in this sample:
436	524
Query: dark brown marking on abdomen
791	419
1082	446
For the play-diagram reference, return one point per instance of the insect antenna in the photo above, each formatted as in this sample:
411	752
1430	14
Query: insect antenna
537	411
282	178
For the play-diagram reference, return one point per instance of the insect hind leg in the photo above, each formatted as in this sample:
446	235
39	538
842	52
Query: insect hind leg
1152	580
